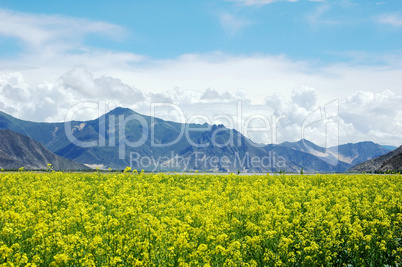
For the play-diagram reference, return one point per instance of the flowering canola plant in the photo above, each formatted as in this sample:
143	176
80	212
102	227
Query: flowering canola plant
137	219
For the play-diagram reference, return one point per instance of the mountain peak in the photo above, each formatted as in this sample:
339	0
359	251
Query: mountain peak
121	111
304	141
303	145
366	143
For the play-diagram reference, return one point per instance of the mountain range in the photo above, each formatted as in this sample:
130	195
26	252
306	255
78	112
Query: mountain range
123	138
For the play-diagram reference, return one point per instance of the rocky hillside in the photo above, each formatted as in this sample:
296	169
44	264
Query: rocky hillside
391	161
17	150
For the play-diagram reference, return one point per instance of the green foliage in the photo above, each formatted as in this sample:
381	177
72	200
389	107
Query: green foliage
49	167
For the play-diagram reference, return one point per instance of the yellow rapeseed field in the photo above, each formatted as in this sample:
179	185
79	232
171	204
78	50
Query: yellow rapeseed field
137	219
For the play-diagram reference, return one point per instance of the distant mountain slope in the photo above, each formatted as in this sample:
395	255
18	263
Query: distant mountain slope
342	157
389	148
45	133
389	161
310	162
304	146
359	152
322	153
17	150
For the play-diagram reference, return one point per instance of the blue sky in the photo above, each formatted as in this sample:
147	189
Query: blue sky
314	30
289	57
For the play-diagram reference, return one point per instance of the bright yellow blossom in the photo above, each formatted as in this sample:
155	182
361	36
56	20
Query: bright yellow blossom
112	219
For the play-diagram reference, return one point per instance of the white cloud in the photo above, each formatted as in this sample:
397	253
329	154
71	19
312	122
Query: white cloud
53	44
305	97
50	101
52	31
390	19
368	111
82	82
211	95
232	24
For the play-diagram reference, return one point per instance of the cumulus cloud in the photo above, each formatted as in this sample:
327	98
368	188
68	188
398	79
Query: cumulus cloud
79	80
82	82
293	113
211	95
305	97
370	112
364	115
30	102
50	101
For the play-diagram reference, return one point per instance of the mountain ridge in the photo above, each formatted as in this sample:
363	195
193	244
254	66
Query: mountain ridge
114	131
